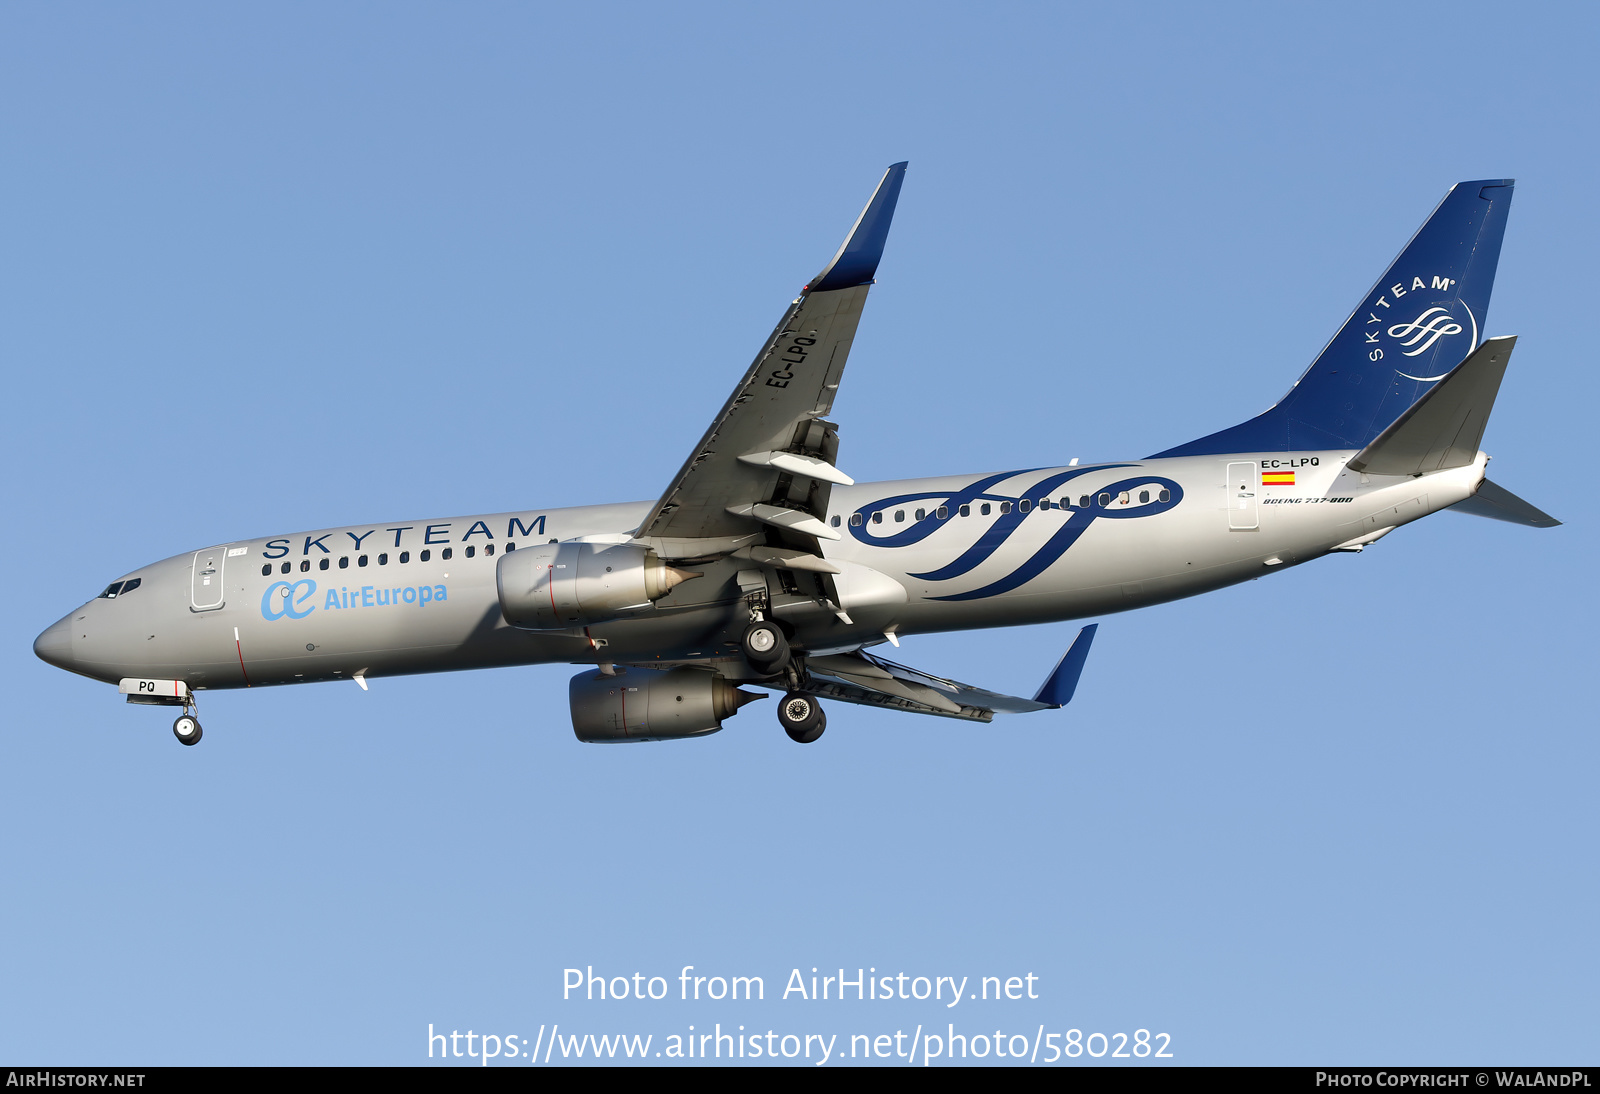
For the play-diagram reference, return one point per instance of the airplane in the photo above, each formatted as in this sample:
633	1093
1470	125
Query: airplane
763	564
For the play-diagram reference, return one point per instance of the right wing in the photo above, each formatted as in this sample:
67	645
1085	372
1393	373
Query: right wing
760	477
873	681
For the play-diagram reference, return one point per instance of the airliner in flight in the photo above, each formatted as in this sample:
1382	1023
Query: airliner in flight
764	564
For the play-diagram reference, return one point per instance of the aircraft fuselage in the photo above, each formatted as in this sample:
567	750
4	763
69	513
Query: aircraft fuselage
917	556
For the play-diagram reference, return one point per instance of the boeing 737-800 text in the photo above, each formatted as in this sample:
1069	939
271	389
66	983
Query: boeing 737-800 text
763	564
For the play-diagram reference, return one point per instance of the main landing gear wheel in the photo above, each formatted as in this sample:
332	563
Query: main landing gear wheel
187	729
765	647
802	717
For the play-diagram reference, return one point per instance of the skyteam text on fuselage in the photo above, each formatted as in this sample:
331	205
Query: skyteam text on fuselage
763	564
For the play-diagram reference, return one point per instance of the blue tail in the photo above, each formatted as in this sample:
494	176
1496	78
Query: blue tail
1422	318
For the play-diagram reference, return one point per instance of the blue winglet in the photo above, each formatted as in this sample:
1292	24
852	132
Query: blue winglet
1057	690
857	260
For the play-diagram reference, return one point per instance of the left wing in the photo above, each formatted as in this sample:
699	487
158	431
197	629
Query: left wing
874	681
760	476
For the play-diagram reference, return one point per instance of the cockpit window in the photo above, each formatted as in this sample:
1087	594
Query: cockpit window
119	588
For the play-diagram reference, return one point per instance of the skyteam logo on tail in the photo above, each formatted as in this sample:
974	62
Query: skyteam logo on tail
1436	321
1425	330
1140	496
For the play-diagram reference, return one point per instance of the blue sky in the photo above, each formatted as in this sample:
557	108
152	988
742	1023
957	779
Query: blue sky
302	265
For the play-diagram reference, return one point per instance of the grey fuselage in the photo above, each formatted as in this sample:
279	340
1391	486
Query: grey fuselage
383	600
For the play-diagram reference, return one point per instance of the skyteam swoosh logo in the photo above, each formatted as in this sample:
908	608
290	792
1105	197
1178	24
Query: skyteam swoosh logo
1426	329
1105	503
1423	331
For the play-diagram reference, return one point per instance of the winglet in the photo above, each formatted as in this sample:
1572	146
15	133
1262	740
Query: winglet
857	260
1057	690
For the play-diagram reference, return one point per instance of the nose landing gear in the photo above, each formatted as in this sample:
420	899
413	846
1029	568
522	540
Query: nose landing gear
187	727
801	717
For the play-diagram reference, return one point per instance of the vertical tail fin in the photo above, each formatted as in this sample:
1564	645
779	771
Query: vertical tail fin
1424	315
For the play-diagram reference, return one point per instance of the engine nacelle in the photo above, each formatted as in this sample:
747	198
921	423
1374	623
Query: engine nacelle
647	705
557	586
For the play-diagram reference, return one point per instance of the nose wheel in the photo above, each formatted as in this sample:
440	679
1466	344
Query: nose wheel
801	717
187	729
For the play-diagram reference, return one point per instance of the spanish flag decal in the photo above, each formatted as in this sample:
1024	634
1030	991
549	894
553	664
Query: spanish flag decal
1277	478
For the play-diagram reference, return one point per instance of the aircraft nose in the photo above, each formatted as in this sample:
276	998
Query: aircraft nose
54	646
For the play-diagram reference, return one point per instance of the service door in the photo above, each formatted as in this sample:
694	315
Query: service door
206	591
1242	497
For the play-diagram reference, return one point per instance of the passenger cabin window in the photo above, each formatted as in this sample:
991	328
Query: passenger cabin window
383	559
266	570
855	520
1083	502
405	556
899	516
965	510
983	510
1024	505
1165	495
1105	500
877	518
922	514
835	522
1144	496
1044	503
471	551
1005	507
305	566
344	562
362	561
285	568
488	548
511	546
447	553
943	512
425	555
322	564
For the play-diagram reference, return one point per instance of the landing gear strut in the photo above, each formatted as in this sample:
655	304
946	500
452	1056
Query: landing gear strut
187	727
802	717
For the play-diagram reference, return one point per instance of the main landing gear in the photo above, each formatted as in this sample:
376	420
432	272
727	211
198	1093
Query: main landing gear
802	717
765	647
187	727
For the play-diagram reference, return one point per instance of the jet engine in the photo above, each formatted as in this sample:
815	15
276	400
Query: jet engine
557	586
650	705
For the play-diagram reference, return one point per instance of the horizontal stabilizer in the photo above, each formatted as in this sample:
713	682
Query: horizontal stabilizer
1443	428
1498	503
